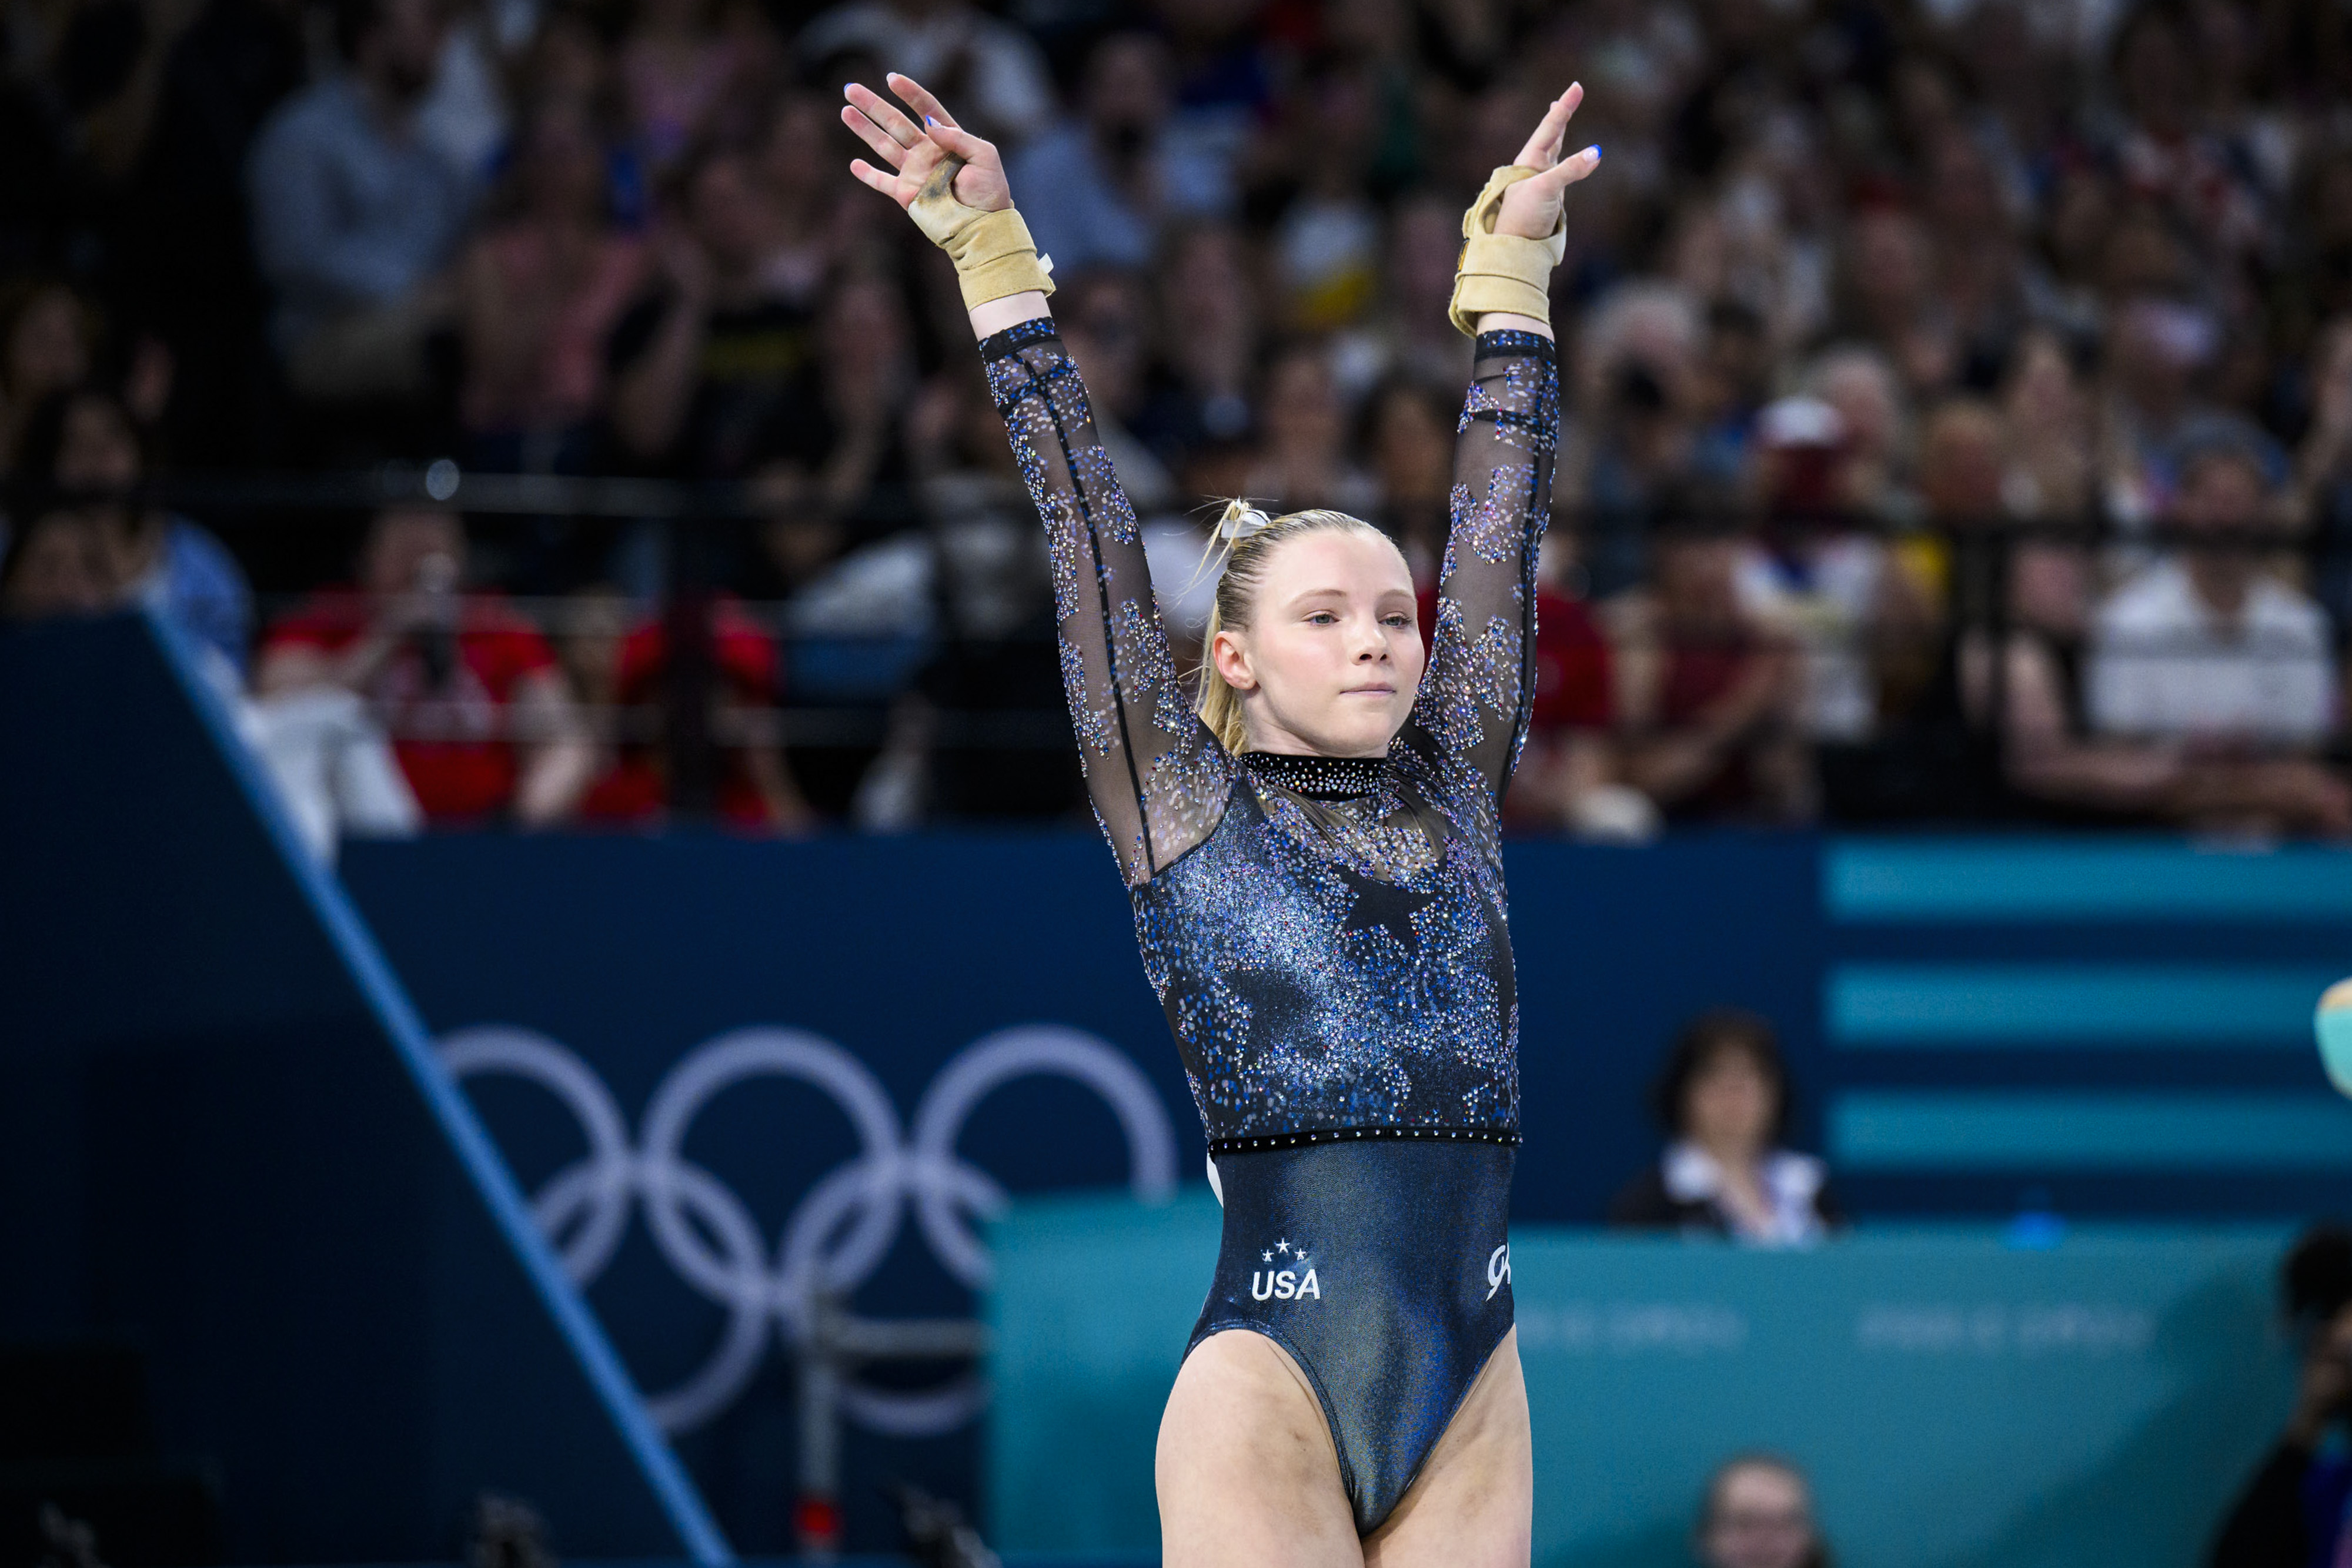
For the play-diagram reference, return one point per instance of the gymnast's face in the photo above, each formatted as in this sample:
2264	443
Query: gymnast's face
1331	658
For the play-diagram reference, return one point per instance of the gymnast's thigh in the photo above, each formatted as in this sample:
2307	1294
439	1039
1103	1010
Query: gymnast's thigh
1473	1503
1246	1467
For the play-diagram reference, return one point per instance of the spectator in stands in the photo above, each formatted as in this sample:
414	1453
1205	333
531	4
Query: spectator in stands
86	441
954	47
1818	569
481	720
1302	460
2047	433
355	216
1108	180
2156	349
2209	651
2324	463
1723	1103
678	69
1709	693
1208	322
2292	1514
1757	1513
750	789
45	342
539	296
710	364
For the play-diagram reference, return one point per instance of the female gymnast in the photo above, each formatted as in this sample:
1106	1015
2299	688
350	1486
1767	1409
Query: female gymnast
1313	859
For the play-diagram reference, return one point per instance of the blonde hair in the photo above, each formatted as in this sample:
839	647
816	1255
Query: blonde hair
1245	539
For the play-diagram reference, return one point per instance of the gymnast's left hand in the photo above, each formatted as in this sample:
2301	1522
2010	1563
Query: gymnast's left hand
1532	208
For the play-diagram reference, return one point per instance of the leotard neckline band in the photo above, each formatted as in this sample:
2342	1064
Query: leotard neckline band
1319	778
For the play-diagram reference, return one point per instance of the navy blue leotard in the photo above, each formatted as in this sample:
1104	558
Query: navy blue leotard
1329	936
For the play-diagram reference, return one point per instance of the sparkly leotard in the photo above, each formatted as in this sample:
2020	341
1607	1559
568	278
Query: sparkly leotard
1329	936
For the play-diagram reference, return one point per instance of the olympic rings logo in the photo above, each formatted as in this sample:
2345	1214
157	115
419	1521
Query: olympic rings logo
846	1224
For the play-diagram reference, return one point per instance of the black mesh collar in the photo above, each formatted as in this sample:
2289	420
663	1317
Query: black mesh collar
1319	778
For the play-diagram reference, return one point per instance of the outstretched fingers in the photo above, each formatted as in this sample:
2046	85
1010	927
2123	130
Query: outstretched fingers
867	175
1543	148
886	147
893	122
919	98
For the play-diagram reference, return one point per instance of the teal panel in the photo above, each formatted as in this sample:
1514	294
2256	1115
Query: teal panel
1865	880
1093	1300
1903	1130
1958	1404
2128	1006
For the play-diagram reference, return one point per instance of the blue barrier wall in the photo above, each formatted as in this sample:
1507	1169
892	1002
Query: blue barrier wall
1951	1011
214	1153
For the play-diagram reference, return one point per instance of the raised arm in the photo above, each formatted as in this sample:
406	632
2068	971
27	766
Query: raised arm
1157	778
1475	699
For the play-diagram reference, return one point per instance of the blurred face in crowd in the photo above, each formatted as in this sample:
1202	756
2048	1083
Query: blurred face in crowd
1961	463
1206	284
1103	325
2043	398
1425	241
1889	258
1331	658
1730	1104
730	217
2049	589
404	543
1697	588
59	569
2221	494
794	163
1301	408
46	350
1126	90
1758	1516
1411	446
1862	387
401	51
2153	72
566	61
562	171
99	451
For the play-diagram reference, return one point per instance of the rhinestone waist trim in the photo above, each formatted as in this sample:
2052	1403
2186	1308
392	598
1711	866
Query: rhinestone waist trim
1364	1134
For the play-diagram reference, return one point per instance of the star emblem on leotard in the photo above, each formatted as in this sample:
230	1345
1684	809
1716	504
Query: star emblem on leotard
1283	1248
1266	1257
1384	904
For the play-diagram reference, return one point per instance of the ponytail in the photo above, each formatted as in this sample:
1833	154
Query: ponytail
1244	540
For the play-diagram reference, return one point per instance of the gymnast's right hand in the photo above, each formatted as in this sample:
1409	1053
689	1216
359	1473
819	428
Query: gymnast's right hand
914	148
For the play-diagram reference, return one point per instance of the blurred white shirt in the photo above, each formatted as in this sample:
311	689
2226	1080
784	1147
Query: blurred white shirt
2161	663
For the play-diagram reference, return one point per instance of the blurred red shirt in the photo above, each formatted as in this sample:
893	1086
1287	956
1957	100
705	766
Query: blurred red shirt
635	789
452	742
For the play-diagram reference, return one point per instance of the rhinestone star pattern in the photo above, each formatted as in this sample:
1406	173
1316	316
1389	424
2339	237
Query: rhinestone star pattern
1329	936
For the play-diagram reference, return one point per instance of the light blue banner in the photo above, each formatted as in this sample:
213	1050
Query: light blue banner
1958	1404
2128	1007
1900	1130
1876	880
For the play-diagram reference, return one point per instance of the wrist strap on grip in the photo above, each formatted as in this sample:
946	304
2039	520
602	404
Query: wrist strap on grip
992	252
1502	272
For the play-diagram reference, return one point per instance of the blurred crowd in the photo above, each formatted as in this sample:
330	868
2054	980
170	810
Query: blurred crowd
1958	392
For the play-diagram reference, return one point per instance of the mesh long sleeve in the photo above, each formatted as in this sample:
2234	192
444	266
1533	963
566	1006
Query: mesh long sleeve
1158	779
1475	699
